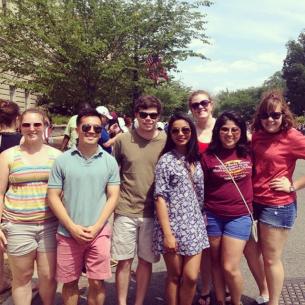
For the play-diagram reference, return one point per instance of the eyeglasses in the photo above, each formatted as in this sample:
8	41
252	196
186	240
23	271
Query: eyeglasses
152	115
274	115
233	130
184	130
203	103
96	128
28	125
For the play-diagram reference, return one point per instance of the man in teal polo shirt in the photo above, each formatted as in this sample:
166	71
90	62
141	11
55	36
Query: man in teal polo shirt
88	178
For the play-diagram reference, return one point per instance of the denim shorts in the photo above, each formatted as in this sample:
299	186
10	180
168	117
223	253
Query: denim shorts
236	227
278	216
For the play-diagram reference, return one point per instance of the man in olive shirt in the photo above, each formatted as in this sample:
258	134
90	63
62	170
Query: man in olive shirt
137	153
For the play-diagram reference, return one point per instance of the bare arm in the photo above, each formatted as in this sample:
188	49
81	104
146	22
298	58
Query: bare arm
170	242
64	142
4	170
78	232
111	203
283	184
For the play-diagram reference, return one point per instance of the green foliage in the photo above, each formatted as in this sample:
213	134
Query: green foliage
294	73
58	119
275	81
300	120
73	51
242	101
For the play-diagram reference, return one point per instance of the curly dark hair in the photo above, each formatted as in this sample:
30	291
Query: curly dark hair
192	146
269	101
9	111
242	146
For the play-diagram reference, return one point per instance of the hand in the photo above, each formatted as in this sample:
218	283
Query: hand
281	184
3	241
170	243
93	230
81	234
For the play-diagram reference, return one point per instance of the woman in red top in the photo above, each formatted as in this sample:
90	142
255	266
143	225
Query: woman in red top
201	105
276	147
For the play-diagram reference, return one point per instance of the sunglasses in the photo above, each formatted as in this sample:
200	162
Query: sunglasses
28	125
233	130
152	115
87	128
184	130
203	103
273	115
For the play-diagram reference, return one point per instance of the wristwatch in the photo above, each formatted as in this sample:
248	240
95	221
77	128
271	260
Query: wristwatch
291	188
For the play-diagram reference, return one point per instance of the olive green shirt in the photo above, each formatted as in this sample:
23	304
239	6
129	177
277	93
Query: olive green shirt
137	158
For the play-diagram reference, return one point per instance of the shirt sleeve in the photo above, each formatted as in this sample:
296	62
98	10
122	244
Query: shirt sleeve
114	177
298	145
56	177
162	178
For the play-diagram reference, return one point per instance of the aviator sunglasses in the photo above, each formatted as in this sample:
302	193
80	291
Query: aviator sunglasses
274	115
203	103
184	130
87	128
28	125
152	115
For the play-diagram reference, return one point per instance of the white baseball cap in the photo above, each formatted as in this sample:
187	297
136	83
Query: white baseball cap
104	111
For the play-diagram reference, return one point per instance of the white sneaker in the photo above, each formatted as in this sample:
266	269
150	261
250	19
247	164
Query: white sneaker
261	299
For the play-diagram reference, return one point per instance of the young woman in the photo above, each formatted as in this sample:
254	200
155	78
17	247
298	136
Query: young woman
229	222
201	105
276	147
179	232
28	225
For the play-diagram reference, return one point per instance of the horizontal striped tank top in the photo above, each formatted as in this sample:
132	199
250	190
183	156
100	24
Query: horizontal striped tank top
26	198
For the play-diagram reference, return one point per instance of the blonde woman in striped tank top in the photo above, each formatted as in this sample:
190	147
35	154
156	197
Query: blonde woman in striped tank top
28	225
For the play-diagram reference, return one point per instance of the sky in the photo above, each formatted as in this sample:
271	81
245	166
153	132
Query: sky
247	43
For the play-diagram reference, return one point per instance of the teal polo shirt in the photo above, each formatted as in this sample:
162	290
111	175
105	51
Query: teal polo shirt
84	183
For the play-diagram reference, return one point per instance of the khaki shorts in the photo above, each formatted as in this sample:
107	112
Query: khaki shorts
133	235
22	238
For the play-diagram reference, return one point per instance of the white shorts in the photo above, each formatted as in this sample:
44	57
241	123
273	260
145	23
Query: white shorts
133	235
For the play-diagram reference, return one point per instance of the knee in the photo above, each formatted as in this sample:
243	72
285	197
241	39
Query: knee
174	278
190	279
95	284
23	278
231	269
71	286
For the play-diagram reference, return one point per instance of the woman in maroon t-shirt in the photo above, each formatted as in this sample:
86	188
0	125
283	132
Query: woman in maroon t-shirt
229	222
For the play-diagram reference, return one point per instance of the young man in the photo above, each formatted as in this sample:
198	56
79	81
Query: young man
137	153
89	179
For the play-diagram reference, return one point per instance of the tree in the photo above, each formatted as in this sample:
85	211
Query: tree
95	50
294	73
275	81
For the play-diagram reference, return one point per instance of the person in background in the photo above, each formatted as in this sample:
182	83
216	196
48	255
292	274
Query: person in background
83	190
9	137
276	146
179	230
137	153
227	167
105	117
70	133
201	106
28	225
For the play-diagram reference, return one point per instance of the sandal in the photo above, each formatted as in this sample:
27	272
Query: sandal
204	299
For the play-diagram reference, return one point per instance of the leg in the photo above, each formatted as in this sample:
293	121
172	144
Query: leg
22	268
217	270
174	271
206	277
46	266
96	292
4	283
122	277
191	266
272	243
255	262
232	251
70	293
143	275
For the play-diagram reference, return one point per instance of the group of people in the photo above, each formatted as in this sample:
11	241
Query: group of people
190	195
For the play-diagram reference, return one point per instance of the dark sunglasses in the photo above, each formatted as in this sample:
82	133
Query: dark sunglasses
96	128
203	103
184	130
152	115
28	125
227	130
273	115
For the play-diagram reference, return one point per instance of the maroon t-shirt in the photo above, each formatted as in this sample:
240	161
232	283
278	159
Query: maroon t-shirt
221	196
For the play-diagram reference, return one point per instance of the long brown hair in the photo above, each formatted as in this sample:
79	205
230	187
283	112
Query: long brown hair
269	101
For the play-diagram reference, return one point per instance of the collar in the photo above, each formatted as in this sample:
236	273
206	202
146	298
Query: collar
75	150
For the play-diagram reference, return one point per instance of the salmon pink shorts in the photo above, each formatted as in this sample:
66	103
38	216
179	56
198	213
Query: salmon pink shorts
94	255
